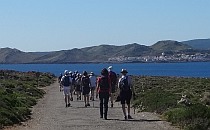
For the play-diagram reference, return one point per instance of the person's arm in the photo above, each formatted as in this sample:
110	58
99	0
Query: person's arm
97	87
118	85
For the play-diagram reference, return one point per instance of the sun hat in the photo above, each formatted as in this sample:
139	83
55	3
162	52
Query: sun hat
91	73
109	68
66	72
124	71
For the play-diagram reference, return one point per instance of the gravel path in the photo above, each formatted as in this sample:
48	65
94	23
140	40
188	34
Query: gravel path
50	114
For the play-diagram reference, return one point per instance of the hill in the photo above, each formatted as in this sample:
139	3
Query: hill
11	56
202	44
101	53
169	45
89	54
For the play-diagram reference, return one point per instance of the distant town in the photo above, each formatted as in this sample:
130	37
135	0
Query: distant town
197	57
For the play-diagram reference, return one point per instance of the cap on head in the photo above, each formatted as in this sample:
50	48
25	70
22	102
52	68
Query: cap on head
85	73
66	72
91	73
109	68
124	71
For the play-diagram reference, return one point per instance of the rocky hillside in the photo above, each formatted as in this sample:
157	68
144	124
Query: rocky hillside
202	44
96	54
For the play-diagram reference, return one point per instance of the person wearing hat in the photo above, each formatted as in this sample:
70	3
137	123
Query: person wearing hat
93	85
86	87
113	81
66	83
125	93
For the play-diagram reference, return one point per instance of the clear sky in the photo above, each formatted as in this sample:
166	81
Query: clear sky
51	25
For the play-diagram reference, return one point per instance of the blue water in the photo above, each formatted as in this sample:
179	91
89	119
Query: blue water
193	69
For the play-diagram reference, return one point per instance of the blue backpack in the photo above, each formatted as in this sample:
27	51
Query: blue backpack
124	86
66	81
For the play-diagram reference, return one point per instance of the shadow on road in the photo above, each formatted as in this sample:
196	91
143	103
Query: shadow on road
136	120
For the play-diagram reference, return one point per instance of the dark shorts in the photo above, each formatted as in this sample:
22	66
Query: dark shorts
92	88
125	96
78	88
85	90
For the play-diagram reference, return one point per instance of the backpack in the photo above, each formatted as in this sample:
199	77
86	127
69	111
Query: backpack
124	84
104	84
66	81
86	81
113	77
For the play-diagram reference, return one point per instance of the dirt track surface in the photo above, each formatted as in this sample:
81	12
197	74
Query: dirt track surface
51	114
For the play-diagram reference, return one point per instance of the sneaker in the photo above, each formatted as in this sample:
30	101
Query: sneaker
112	105
125	118
66	105
85	105
88	104
69	105
129	117
71	99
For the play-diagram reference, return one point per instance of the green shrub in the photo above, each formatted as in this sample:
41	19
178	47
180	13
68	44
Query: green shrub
194	117
18	92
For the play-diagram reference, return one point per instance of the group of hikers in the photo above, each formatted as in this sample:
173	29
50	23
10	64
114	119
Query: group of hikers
105	85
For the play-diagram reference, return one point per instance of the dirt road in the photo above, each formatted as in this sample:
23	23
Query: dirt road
51	114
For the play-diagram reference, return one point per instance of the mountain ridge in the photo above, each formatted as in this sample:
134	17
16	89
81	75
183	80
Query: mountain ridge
99	53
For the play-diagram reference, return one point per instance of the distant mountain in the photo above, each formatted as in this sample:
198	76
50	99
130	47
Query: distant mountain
202	44
8	55
169	45
89	54
95	54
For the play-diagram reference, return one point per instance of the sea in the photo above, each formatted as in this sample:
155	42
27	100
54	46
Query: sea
188	69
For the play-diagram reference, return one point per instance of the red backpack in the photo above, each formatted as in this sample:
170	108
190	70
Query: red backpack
113	77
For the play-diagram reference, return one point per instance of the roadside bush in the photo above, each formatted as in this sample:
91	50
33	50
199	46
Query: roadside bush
156	100
194	117
18	93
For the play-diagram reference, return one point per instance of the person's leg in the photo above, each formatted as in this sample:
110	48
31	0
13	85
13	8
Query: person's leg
122	98
92	93
88	100
124	111
106	101
128	100
112	99
85	100
71	92
101	105
65	99
68	99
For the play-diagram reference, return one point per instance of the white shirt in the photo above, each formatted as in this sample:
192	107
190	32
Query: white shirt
93	81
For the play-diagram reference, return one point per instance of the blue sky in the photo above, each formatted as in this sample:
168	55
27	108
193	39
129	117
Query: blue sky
50	25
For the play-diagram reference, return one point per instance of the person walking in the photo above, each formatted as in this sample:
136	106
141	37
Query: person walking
113	81
59	81
93	85
66	83
78	88
86	88
125	93
103	90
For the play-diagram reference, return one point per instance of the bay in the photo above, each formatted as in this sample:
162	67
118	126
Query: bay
188	69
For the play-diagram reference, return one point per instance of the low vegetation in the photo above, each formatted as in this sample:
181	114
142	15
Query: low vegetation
19	91
181	101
